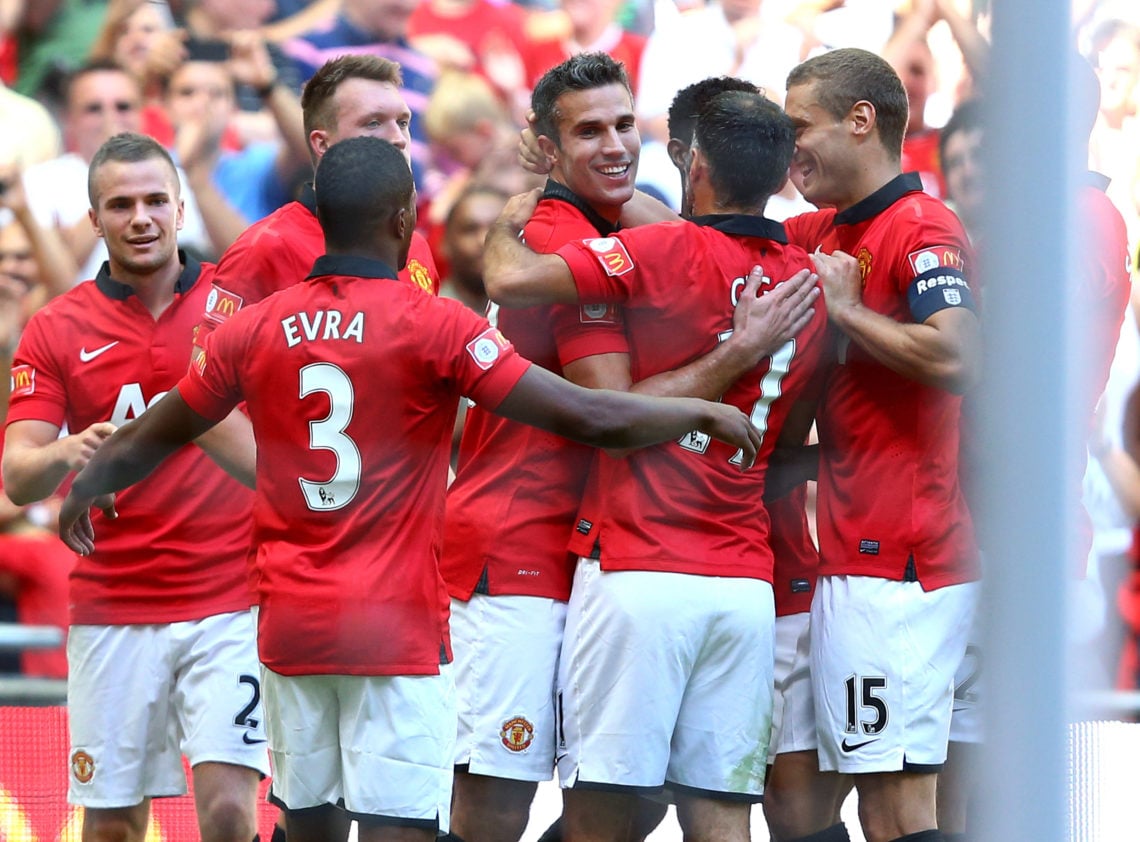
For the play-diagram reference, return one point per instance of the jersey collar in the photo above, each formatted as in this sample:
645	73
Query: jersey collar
562	193
111	288
352	265
744	225
881	199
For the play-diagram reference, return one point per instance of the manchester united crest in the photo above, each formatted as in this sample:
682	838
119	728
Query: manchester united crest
517	734
419	275
82	767
864	258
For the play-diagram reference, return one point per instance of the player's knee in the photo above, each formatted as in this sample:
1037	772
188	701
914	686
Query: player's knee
228	817
114	825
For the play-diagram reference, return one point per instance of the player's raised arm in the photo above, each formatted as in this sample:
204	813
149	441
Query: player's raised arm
136	449
515	276
606	418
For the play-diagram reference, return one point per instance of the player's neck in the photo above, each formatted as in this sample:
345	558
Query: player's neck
155	289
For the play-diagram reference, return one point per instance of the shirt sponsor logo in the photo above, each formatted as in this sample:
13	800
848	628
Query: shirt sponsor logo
86	356
23	381
516	734
486	348
597	314
612	255
935	257
419	276
867	547
82	767
221	304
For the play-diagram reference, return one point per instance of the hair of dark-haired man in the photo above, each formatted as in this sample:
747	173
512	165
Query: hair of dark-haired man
748	142
103	65
582	72
127	148
361	184
849	75
682	116
468	193
967	116
317	97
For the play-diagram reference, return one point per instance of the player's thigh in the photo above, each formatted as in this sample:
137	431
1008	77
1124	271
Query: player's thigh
793	707
621	678
506	661
719	748
123	733
884	655
218	692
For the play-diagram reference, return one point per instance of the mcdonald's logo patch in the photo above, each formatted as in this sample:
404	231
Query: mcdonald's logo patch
221	304
612	255
23	381
936	257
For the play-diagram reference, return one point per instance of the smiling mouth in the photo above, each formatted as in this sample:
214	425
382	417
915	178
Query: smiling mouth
614	170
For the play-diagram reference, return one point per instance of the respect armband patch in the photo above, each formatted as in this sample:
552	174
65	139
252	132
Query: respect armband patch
938	289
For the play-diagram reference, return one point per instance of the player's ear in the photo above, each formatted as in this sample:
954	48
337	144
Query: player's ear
678	154
548	148
861	118
319	142
94	217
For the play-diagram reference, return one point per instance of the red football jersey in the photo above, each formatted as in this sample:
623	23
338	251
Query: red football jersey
351	382
492	31
626	47
685	506
920	155
177	549
278	251
890	503
517	490
796	558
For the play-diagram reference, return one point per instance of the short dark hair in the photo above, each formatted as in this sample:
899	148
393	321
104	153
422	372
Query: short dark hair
748	141
128	148
682	117
476	189
317	97
582	72
850	75
103	65
966	117
359	183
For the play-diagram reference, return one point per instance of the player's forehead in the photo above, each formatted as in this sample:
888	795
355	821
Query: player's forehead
802	103
605	105
358	98
101	86
130	180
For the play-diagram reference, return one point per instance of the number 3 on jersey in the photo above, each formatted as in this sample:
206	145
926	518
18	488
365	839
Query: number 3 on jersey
328	434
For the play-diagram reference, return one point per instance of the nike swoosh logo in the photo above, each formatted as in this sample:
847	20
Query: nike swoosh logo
849	747
245	739
87	356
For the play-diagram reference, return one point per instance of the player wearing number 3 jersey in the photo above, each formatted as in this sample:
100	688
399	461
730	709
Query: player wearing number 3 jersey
351	380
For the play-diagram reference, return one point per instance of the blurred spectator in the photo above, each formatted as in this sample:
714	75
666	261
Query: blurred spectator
476	36
464	232
32	255
586	26
380	28
960	150
101	100
38	137
55	36
256	180
294	17
1116	56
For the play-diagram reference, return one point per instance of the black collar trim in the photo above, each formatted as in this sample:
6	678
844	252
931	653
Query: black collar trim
353	265
307	196
191	270
744	225
562	193
881	199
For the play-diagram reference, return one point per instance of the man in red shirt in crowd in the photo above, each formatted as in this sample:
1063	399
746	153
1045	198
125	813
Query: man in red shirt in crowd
351	382
161	647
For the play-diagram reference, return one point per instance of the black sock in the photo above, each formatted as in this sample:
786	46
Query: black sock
552	833
278	834
933	835
835	833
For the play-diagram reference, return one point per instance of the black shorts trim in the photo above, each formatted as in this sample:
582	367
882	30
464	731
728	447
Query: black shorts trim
922	768
715	794
595	786
365	818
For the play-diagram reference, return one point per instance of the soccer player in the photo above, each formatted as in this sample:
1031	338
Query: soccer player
161	647
896	592
671	535
349	96
351	381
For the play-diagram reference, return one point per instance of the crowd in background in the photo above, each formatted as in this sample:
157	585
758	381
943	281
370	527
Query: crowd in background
218	83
